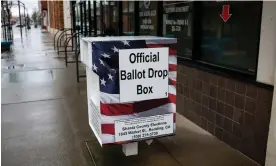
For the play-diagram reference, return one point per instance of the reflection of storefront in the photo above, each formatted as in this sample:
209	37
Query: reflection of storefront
96	17
218	62
128	17
44	19
177	19
148	17
44	14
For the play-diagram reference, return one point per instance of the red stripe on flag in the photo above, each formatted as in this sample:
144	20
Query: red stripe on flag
172	82
116	109
171	50
146	105
172	98
126	109
172	67
108	129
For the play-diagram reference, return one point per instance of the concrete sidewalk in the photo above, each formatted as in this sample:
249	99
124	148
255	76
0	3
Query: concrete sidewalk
45	121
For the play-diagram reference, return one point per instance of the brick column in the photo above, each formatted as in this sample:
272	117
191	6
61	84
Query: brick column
56	14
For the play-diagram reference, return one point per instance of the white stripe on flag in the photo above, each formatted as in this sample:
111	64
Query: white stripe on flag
115	98
172	89
107	138
111	98
172	75
173	59
167	108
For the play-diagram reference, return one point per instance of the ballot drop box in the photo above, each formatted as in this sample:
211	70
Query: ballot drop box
131	88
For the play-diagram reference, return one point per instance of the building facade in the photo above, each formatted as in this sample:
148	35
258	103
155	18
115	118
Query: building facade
226	55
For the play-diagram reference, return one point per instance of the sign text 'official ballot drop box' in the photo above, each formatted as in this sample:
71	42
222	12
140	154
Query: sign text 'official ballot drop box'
131	87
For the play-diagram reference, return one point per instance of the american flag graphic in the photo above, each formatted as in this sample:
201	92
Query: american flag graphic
105	57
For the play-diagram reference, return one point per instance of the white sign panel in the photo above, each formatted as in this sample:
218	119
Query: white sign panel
144	128
143	74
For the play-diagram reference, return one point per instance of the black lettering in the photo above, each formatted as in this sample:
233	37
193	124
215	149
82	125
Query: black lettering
160	73
145	90
144	73
131	56
139	89
129	77
139	75
151	72
147	58
157	56
150	89
123	74
155	73
138	57
165	73
154	58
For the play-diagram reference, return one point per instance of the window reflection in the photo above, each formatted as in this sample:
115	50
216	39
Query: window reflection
91	18
77	15
177	22
114	16
105	8
148	17
98	17
233	44
128	17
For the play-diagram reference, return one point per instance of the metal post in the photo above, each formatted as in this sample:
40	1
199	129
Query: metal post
95	17
25	17
9	23
81	19
85	17
20	19
77	64
101	18
4	27
74	22
89	19
120	18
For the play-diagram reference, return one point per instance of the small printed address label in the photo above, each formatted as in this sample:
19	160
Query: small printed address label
144	127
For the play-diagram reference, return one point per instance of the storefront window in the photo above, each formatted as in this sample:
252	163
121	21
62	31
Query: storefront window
91	17
234	43
113	15
177	22
83	18
77	15
106	11
148	17
128	17
110	14
87	16
98	17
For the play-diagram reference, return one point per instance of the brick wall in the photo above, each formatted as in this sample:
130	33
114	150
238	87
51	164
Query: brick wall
235	112
43	5
56	14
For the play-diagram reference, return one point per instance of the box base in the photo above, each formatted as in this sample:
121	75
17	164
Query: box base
130	149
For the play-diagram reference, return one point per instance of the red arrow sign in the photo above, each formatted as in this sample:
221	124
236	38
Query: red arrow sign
225	15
